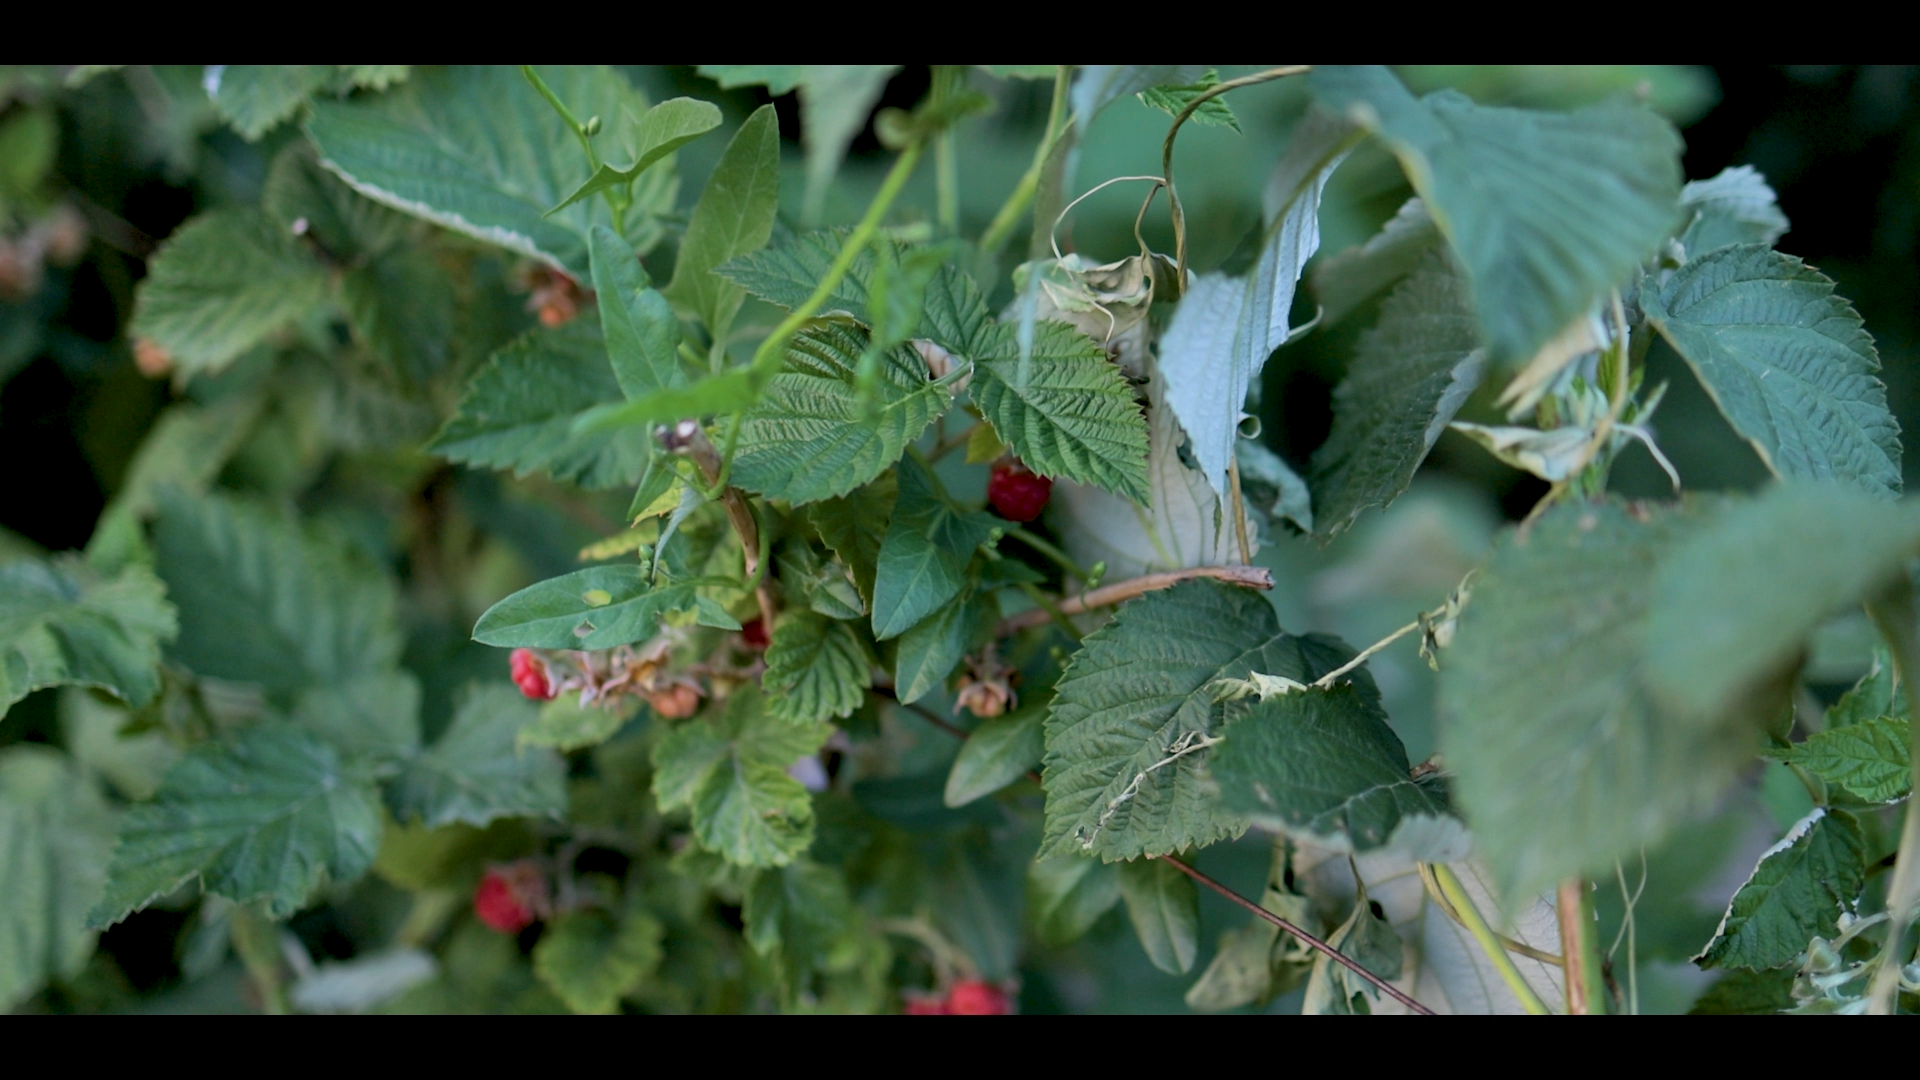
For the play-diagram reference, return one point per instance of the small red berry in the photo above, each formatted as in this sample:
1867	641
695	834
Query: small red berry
923	1005
976	997
499	901
754	635
1017	494
530	675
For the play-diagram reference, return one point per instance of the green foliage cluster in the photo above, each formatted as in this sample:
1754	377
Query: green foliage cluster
801	722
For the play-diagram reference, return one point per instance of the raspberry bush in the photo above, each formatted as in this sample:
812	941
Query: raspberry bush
584	561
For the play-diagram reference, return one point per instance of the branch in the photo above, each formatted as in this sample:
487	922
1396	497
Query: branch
1332	953
1253	577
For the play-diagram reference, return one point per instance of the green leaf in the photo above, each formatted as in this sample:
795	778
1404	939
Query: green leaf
56	834
264	601
566	724
479	151
256	98
1734	207
641	334
1074	415
1411	374
301	194
1126	735
556	614
376	76
662	129
1165	909
818	669
1565	760
518	412
922	563
835	100
1271	488
1736	601
1066	895
1214	112
1225	328
62	622
403	304
592	959
800	916
477	772
265	819
1322	765
729	770
1747	993
222	284
733	217
951	311
1872	697
1547	211
810	437
373	715
854	527
1787	361
186	449
930	649
997	753
1345	281
1369	941
1095	86
1872	760
1796	893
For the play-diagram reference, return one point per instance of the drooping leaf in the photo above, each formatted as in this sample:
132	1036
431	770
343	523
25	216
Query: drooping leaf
1067	894
222	284
641	334
1735	602
1127	732
1547	211
518	412
1213	112
997	753
62	622
1873	760
660	131
1565	760
1215	347
264	601
1369	941
1271	488
264	819
477	771
930	649
255	98
1796	893
922	563
811	438
56	834
729	771
818	669
1322	764
1164	907
596	608
733	217
479	151
592	959
1345	281
1734	207
1412	373
1787	361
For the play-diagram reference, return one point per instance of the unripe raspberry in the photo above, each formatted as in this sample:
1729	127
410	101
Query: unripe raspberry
976	997
530	675
754	635
676	701
1017	494
509	898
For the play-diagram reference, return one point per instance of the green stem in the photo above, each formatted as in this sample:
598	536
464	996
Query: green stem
1463	905
946	167
1052	609
1894	614
573	124
1166	150
766	359
1579	944
1058	557
1009	216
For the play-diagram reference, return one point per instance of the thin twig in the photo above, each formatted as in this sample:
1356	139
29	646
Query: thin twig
1253	577
1326	681
1166	150
1332	953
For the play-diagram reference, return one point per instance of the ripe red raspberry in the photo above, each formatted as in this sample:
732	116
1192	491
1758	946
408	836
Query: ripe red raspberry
500	901
1017	494
923	1005
530	675
976	997
754	635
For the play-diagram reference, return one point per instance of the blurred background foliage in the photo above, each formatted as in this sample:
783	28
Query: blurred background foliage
98	168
